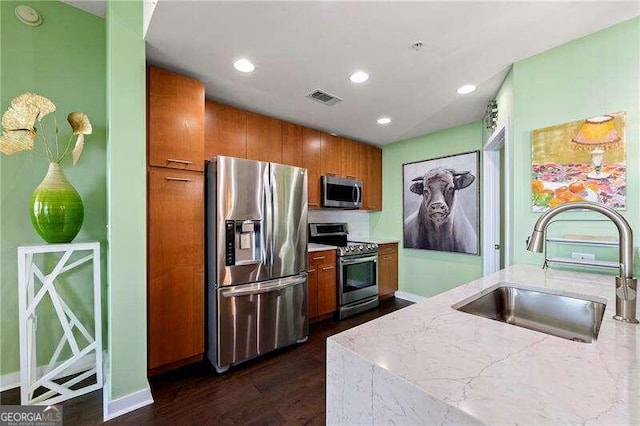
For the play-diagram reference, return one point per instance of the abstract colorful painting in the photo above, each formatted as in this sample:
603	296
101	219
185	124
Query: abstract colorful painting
584	160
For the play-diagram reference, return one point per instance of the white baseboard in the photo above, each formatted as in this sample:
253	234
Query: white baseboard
125	404
9	381
12	380
409	296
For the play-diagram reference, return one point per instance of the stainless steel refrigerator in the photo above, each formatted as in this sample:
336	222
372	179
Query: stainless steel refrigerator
256	259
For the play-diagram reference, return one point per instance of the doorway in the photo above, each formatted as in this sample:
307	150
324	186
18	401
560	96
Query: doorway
495	205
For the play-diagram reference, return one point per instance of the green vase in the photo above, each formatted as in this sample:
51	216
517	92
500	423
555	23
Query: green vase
56	207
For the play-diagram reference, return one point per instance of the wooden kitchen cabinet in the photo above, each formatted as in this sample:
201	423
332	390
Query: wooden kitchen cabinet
264	138
387	270
311	160
292	144
175	268
331	155
351	164
225	131
372	187
322	284
175	120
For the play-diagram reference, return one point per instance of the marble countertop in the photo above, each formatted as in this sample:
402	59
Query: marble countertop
429	363
311	247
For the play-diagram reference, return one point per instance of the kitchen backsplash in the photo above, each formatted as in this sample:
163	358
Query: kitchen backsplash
358	221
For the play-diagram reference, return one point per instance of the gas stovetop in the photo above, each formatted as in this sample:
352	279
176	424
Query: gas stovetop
354	248
335	234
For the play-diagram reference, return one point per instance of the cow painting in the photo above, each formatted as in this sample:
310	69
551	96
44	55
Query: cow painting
439	222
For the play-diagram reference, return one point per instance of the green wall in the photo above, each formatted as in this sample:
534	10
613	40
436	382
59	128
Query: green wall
64	60
594	75
422	272
126	88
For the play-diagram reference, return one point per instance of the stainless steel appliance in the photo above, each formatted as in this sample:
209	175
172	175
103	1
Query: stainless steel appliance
357	267
341	192
256	259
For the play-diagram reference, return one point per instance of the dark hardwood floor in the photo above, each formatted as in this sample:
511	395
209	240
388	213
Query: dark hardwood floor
287	386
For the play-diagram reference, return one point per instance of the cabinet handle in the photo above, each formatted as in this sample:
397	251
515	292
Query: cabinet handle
351	177
178	179
328	267
317	258
311	270
173	160
386	257
371	207
332	174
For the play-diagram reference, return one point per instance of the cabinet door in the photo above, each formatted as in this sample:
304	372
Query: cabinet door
176	265
313	291
351	159
312	146
331	156
387	270
326	288
264	138
175	126
226	131
292	145
373	189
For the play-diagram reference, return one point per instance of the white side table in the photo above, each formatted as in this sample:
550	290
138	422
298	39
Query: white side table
58	380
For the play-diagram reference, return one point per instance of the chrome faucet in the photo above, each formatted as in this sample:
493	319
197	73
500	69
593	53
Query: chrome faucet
626	285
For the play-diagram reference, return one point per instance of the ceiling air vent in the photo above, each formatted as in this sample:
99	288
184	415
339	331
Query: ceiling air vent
324	97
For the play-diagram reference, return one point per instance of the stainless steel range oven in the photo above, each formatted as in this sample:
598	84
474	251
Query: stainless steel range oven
357	268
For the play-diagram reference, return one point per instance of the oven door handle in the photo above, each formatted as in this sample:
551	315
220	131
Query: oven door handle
344	261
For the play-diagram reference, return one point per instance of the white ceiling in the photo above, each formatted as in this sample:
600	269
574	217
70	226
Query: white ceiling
300	46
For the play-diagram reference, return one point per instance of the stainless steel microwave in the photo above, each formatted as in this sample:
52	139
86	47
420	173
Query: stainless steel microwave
341	192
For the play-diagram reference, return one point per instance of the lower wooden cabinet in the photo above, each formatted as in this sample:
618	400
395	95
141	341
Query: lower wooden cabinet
175	267
322	284
387	269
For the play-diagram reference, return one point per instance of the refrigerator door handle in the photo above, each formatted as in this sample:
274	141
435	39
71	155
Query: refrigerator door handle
266	288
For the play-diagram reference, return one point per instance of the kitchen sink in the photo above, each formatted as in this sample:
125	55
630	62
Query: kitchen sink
575	317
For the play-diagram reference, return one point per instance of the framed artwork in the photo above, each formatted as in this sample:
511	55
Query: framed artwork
441	203
584	160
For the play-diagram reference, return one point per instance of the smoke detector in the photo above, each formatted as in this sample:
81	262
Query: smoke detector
324	97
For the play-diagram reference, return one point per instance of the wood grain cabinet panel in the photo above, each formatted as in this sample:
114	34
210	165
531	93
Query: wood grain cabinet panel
175	120
331	155
372	198
322	284
225	131
176	266
292	144
311	153
326	289
387	270
264	138
351	164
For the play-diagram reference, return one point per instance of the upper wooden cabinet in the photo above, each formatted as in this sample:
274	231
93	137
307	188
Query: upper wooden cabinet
311	155
331	156
292	144
225	131
175	120
264	138
351	164
371	164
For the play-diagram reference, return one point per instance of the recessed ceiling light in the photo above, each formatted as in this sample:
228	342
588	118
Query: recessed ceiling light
244	65
359	77
466	89
384	120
